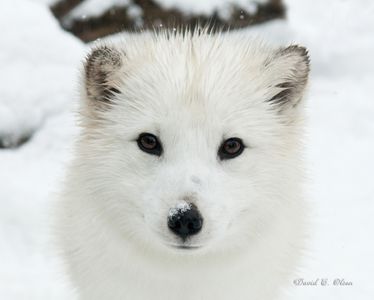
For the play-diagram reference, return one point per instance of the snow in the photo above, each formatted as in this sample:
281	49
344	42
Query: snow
94	8
341	145
207	7
29	59
40	64
47	2
181	207
38	68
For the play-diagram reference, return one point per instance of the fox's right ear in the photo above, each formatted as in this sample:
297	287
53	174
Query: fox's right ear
102	76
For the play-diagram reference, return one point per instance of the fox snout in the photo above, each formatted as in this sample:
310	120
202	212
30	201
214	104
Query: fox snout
185	220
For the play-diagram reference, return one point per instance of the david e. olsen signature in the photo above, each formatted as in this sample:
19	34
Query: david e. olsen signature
322	282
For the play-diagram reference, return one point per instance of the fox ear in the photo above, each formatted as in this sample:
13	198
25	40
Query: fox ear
290	70
101	76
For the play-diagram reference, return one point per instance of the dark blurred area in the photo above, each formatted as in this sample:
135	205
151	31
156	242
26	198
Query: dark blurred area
148	14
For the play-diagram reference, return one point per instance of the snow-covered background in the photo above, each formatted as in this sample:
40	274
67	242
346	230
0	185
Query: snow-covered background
38	91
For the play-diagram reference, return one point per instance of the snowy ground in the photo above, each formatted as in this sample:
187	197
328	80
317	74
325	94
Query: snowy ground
39	69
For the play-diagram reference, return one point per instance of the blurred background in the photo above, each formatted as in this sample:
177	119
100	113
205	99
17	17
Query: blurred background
42	45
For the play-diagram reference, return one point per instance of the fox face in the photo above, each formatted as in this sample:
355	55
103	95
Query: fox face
191	141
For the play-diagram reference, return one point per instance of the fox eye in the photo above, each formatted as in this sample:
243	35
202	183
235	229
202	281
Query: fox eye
149	143
231	148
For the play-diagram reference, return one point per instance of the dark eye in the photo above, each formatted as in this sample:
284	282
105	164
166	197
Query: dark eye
149	143
231	148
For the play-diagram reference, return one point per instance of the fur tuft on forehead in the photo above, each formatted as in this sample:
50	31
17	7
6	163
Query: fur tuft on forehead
149	66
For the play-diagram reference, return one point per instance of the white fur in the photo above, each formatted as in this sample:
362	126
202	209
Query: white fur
192	91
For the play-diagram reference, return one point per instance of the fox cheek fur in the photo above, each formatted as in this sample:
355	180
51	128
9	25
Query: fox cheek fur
187	177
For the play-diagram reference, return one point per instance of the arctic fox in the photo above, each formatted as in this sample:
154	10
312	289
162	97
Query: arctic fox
187	181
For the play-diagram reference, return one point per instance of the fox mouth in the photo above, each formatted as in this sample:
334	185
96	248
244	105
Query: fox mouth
185	247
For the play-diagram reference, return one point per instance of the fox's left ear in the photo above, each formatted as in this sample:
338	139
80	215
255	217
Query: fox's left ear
289	68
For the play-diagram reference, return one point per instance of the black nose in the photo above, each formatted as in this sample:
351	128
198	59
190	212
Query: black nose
185	221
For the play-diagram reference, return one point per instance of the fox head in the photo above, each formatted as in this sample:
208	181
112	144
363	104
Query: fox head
191	141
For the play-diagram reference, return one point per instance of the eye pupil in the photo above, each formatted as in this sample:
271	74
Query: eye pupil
149	143
231	148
